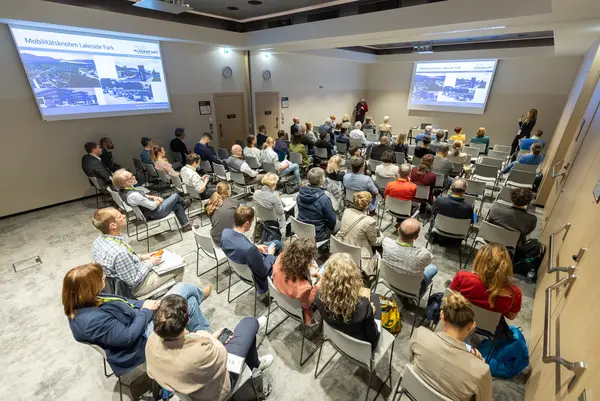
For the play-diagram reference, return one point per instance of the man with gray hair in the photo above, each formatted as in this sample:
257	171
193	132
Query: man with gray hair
454	205
326	127
402	188
357	133
236	163
427	132
315	207
385	128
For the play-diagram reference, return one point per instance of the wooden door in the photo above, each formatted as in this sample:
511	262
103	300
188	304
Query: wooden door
575	316
230	114
267	112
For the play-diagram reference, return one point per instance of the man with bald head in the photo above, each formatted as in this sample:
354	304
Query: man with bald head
236	163
377	150
406	258
454	204
295	126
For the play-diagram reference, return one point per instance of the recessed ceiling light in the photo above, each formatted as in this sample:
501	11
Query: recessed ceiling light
232	8
255	2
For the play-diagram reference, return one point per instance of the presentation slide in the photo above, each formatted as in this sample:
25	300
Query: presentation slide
79	75
452	86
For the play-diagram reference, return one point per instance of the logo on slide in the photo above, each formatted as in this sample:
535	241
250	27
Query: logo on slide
141	49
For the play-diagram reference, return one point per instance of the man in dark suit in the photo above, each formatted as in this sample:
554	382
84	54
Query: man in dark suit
92	164
107	145
377	150
454	205
178	146
295	127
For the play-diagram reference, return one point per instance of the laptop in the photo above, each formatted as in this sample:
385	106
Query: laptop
423	125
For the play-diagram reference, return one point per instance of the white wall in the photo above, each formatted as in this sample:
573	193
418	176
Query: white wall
300	77
519	84
41	160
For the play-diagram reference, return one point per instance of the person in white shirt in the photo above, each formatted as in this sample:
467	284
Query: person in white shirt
309	132
251	149
236	163
267	154
191	178
357	133
387	169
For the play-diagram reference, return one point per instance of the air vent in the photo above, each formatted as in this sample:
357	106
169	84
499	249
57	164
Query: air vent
377	5
279	23
322	16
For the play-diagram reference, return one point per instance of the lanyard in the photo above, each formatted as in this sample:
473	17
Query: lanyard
407	245
115	299
118	241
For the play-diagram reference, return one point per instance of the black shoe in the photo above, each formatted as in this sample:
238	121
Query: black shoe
187	228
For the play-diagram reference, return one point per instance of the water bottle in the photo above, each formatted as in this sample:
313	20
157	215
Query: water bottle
532	274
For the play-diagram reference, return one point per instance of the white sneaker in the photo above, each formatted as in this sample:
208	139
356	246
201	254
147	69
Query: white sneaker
262	322
265	362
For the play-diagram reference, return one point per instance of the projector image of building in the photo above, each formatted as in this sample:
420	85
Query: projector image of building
57	97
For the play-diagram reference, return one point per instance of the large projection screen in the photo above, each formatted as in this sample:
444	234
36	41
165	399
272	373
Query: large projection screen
451	86
77	75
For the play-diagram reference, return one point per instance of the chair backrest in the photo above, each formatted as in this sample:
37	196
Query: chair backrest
489	161
434	148
521	177
356	142
342	148
291	306
242	270
192	192
269	167
95	183
350	195
252	162
399	157
450	225
358	350
398	206
238	178
415	161
522	152
502	148
241	143
480	146
177	157
303	230
525	167
139	166
471	151
264	214
408	285
383	181
180	186
504	195
336	245
373	164
439	180
411	150
497	154
457	168
470	200
475	188
422	192
418	389
492	233
151	171
321	153
204	241
164	177
206	166
222	153
485	171
138	213
296	158
486	320
372	137
219	171
367	131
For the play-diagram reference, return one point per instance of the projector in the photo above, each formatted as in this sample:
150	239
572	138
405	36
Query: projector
423	49
167	6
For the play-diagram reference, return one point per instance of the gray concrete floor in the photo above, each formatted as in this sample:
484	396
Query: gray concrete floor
41	360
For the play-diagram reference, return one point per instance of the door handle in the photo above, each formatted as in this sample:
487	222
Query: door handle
554	174
277	122
220	129
576	367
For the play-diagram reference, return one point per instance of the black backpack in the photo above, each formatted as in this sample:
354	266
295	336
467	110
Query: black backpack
529	258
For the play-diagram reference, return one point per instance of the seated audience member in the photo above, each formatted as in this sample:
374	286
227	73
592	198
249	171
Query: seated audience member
191	178
489	286
457	156
292	276
385	127
422	150
369	125
107	145
118	325
454	205
481	137
220	209
337	130
334	183
357	133
270	200
237	247
120	261
324	143
343	137
360	230
309	134
401	146
298	147
525	143
147	144
251	150
261	137
334	169
439	138
236	163
202	149
357	181
458	135
354	152
402	188
195	363
428	132
386	170
377	150
422	175
346	118
178	146
405	257
295	127
281	147
267	154
445	362
443	165
314	206
345	304
153	207
159	158
93	167
326	127
515	217
533	158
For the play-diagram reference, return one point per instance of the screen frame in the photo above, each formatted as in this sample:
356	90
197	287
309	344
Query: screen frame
100	114
451	109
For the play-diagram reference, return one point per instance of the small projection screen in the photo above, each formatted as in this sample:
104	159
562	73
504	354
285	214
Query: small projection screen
75	75
452	86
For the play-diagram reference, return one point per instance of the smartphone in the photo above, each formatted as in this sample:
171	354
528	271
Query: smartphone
224	336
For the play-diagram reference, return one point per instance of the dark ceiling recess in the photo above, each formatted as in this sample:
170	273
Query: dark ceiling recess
255	2
377	5
233	8
322	16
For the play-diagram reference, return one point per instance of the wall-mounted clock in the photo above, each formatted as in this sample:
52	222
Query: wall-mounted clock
227	72
266	75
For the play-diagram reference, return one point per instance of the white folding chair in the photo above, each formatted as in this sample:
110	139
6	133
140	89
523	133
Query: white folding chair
434	148
245	275
222	154
487	174
411	150
342	148
487	322
402	284
293	309
439	180
494	154
491	233
415	161
195	196
221	173
502	148
152	176
383	181
451	228
350	196
504	196
470	200
252	162
356	142
358	351
244	377
399	157
305	230
398	208
321	153
368	131
525	167
296	158
456	169
471	151
489	161
520	178
422	192
373	164
480	146
141	221
372	137
240	180
129	215
205	243
338	246
99	190
415	388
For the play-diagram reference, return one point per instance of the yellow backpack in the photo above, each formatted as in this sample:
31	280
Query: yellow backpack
390	315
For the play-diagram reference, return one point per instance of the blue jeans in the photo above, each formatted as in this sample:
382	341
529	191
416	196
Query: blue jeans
374	203
292	168
428	275
174	203
193	296
507	168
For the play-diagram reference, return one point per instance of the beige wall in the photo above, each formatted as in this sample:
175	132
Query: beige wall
519	84
41	162
299	77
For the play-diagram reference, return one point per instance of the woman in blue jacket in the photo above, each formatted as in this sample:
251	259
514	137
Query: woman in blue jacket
120	326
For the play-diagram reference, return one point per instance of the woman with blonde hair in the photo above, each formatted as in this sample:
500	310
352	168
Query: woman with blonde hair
444	361
345	304
309	132
489	286
267	198
334	187
220	209
359	229
268	154
401	146
159	158
456	155
481	137
525	127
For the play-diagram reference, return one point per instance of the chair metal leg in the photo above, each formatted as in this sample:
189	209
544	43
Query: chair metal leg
389	376
106	374
255	296
369	384
120	390
147	238
396	391
319	358
230	300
